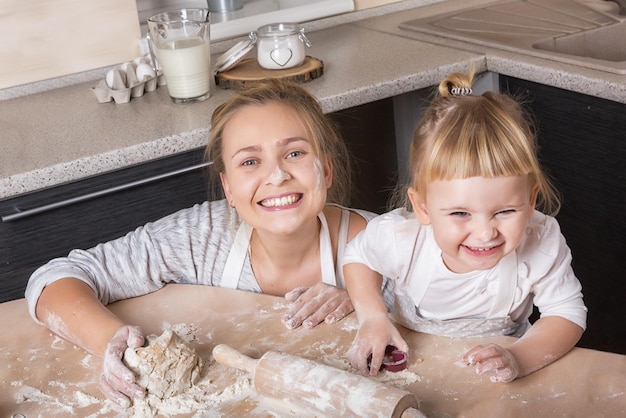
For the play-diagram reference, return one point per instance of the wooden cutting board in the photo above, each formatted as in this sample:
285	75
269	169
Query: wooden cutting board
42	39
250	70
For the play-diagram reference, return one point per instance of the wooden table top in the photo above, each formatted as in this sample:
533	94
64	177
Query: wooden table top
43	375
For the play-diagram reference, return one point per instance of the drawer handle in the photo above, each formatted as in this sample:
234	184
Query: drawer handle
104	192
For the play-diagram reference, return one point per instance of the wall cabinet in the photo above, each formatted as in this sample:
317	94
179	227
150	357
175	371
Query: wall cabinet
582	143
47	224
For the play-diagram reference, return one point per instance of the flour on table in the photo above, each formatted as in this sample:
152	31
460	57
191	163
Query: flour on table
178	380
399	379
350	324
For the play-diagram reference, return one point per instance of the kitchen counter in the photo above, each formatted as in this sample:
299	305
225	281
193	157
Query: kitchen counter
606	85
43	375
60	135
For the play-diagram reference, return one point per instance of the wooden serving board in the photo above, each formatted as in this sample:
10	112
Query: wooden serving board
250	70
42	39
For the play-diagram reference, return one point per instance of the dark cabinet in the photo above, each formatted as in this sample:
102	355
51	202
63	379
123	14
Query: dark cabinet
369	132
47	224
582	143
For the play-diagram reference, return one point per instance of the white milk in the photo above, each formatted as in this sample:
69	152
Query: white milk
186	64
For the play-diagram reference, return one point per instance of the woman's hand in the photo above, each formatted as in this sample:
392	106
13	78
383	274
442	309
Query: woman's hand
499	362
311	306
368	348
117	381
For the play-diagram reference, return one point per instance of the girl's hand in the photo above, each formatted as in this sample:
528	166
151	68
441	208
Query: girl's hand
495	360
368	348
311	306
117	381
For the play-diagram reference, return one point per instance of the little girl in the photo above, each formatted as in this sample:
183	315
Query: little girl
473	255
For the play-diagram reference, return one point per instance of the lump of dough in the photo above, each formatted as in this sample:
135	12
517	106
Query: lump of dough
165	366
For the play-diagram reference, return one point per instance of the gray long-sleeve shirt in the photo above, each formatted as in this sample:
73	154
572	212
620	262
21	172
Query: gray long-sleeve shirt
190	246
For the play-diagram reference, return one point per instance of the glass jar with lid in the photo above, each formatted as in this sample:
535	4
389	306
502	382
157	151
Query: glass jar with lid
281	45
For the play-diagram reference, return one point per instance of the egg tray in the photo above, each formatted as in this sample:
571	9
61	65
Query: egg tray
135	87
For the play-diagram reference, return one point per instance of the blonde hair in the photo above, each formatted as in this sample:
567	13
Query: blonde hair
463	135
324	136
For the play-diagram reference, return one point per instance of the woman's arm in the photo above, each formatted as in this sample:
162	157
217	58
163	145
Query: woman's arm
549	339
70	308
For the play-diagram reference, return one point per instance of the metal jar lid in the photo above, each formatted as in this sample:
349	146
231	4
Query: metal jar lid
279	30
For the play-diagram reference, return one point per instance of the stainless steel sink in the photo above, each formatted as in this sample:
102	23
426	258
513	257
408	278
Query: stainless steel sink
590	34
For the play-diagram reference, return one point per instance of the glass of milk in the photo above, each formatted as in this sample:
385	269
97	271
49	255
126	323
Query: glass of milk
180	42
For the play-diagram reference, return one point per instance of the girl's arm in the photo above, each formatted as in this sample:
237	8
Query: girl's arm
558	296
546	341
376	330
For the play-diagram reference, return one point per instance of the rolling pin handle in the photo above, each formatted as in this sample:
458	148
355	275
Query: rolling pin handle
228	356
412	413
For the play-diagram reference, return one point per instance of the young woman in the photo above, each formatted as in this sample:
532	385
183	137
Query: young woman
280	161
474	254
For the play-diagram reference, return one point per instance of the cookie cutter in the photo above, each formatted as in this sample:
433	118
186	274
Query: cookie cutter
394	361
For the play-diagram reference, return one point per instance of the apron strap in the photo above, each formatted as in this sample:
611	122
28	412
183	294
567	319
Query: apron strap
422	269
327	262
342	242
236	257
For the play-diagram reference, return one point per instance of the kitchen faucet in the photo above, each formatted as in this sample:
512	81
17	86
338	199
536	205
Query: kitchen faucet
622	6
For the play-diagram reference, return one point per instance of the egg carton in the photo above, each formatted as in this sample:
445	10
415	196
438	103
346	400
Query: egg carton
131	79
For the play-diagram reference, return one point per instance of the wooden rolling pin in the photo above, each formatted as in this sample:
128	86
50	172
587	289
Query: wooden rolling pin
316	387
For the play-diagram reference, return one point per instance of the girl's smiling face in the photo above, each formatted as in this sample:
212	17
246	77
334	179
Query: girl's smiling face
476	221
272	175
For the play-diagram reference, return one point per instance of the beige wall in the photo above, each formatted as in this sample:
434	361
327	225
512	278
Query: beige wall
366	4
42	39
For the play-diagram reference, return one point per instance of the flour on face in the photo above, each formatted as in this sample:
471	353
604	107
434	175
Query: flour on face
278	176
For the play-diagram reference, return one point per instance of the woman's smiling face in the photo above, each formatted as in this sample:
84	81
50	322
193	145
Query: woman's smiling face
272	175
476	221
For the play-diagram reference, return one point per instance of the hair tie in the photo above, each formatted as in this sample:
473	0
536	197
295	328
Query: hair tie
460	91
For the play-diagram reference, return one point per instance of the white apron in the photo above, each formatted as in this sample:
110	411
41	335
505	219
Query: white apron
330	275
497	322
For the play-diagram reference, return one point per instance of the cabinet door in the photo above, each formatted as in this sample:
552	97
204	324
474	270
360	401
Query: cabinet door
583	146
38	227
369	132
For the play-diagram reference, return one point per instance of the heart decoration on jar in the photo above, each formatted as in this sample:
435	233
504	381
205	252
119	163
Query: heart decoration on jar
281	56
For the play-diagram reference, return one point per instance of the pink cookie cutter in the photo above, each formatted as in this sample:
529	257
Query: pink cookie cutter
394	361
